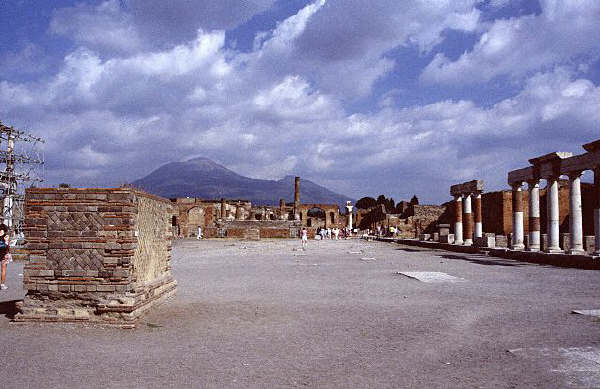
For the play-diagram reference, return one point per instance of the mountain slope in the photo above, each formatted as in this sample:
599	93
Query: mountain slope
203	178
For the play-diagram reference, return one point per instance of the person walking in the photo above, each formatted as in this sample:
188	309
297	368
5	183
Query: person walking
5	256
304	236
199	233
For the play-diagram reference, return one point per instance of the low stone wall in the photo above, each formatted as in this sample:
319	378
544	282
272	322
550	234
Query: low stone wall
95	255
559	260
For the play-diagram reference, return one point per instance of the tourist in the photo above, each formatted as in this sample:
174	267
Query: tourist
336	233
5	256
304	238
329	233
199	233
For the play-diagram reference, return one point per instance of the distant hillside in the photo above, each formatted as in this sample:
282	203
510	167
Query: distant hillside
203	178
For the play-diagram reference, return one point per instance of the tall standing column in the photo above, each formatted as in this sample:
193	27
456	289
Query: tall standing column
517	204
468	221
458	224
478	216
552	218
223	208
597	210
534	215
575	214
349	209
297	198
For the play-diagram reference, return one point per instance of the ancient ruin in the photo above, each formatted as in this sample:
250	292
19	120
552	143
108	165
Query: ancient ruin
551	167
232	218
95	255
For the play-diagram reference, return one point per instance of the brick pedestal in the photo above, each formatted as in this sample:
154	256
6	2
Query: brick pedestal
95	255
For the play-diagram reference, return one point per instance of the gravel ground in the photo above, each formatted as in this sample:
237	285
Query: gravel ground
266	314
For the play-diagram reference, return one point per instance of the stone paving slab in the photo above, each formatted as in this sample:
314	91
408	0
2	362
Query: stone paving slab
588	312
430	277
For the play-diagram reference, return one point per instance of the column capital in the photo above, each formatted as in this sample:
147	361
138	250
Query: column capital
458	197
533	182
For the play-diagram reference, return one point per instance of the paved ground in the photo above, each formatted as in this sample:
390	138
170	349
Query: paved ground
260	314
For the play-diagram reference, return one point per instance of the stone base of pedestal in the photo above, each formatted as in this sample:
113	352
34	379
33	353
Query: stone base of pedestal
518	247
468	242
121	309
576	252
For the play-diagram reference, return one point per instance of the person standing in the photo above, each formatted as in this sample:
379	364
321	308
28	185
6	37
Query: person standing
199	232
5	256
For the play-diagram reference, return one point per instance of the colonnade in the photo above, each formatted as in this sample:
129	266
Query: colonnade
551	167
468	224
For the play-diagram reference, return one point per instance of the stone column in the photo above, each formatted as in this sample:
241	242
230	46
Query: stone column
575	217
534	215
478	216
458	225
552	219
238	212
468	221
281	209
297	198
517	204
349	209
222	208
597	210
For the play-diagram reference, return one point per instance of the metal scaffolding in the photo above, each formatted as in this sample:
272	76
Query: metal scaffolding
23	166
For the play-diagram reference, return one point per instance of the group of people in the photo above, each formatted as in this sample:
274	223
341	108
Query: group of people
325	233
5	256
329	233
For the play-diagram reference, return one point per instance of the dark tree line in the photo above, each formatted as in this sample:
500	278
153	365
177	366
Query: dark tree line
389	204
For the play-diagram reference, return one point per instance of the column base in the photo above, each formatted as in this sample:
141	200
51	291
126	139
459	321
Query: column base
533	248
519	247
458	242
468	242
576	252
554	250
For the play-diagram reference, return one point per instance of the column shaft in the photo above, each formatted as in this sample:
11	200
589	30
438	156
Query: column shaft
534	216
467	221
458	225
552	218
517	203
576	216
478	217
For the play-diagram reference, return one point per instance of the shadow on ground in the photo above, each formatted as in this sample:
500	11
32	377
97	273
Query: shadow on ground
9	308
411	250
485	262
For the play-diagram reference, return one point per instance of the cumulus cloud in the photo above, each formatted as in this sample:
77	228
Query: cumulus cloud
280	108
516	46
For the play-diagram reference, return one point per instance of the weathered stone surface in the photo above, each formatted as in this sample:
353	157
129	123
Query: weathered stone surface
98	255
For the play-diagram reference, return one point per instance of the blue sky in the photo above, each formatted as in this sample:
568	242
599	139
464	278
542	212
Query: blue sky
365	97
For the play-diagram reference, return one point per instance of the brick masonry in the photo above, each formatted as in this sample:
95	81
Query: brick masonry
95	255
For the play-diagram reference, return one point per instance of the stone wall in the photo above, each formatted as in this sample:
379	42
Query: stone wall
95	255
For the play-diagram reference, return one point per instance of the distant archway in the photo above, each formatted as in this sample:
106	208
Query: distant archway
195	220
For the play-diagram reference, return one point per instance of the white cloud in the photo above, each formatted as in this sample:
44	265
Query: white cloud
519	45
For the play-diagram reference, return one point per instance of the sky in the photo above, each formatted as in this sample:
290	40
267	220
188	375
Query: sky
364	97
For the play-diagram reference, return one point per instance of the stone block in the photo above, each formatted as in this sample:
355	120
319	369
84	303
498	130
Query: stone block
447	238
544	242
487	240
565	241
436	237
425	237
501	241
443	229
589	244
